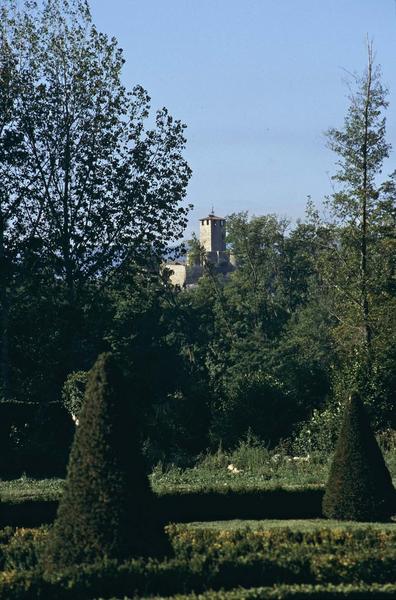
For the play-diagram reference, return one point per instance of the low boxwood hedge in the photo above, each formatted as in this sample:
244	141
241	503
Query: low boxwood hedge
294	592
294	503
145	578
206	560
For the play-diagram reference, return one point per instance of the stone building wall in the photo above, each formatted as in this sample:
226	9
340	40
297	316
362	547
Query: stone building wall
212	232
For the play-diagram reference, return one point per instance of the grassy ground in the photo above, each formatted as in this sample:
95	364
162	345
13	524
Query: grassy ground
250	466
24	488
214	477
302	525
247	467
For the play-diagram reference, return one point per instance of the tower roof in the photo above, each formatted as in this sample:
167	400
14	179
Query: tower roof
212	217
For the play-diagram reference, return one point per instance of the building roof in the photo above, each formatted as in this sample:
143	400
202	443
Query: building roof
212	217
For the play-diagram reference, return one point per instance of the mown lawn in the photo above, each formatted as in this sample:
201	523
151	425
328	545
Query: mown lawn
302	525
25	488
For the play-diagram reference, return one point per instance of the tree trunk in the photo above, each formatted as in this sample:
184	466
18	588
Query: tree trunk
4	318
364	216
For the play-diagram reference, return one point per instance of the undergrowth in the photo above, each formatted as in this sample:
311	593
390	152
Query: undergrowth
249	466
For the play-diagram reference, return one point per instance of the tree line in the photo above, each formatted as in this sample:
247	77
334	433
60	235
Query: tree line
92	190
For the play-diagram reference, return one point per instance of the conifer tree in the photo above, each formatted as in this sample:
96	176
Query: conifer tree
106	510
359	487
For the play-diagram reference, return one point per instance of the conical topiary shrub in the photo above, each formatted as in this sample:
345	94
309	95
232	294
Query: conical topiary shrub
106	510
359	486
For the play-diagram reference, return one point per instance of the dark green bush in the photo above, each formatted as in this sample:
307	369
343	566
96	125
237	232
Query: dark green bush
252	403
73	392
359	486
107	509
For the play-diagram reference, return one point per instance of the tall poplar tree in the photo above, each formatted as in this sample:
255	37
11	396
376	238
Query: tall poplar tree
362	210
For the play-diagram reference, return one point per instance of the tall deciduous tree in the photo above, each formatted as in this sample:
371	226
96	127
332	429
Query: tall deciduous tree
83	177
100	185
12	156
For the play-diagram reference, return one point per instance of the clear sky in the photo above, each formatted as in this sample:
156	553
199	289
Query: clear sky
257	82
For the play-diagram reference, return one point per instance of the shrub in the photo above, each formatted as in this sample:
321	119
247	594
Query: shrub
252	404
20	549
73	392
320	432
106	510
359	486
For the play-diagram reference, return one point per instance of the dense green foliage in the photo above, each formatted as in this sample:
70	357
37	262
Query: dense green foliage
359	485
81	195
238	382
87	214
107	507
206	559
73	392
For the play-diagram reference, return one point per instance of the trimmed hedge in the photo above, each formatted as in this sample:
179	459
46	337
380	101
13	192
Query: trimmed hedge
295	592
20	548
107	509
138	577
188	540
359	486
206	560
277	503
35	439
30	513
184	507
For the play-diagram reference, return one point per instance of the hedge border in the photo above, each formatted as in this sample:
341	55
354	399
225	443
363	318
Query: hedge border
185	507
292	592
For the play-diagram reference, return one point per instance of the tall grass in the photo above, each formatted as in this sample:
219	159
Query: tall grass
249	465
252	465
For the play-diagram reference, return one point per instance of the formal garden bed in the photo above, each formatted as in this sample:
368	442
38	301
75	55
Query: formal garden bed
257	530
357	557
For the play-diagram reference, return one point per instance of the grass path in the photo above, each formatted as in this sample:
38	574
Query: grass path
24	488
295	524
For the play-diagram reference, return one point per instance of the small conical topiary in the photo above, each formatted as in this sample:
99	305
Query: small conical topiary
107	507
359	487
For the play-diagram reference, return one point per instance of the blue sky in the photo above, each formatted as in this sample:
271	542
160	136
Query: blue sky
257	82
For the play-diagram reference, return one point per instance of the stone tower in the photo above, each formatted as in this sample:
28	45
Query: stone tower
212	233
